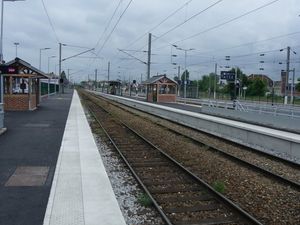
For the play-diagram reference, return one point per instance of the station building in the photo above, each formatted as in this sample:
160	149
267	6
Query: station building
21	85
161	89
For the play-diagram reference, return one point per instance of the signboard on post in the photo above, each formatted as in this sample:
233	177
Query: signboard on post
228	75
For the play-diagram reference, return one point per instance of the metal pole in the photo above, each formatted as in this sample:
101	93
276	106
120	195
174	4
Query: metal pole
292	87
287	75
185	72
179	78
149	55
48	63
59	68
235	78
40	59
108	71
1	42
96	79
197	91
16	50
69	78
215	83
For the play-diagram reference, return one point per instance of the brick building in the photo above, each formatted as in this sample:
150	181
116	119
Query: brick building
161	89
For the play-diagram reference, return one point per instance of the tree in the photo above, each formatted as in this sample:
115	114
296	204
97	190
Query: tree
187	75
242	81
298	85
257	87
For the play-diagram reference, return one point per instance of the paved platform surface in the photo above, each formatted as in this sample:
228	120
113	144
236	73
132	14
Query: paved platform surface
81	192
28	154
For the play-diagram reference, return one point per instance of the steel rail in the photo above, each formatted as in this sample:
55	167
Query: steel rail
277	177
219	196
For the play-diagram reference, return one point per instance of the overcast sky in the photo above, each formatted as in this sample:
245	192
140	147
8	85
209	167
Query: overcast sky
84	23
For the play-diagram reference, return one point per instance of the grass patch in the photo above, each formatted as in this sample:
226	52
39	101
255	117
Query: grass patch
219	186
144	200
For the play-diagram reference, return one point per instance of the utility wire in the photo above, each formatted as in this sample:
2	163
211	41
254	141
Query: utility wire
106	28
50	22
182	23
108	24
160	23
228	21
115	26
190	18
250	43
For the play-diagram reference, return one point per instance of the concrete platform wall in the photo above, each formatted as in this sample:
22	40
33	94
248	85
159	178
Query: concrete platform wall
257	137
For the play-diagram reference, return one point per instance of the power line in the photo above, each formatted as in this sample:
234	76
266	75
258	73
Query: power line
108	37
160	23
182	23
228	21
50	22
192	17
252	43
156	26
111	30
108	24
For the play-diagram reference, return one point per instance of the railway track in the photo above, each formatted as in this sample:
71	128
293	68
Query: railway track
282	170
270	200
178	194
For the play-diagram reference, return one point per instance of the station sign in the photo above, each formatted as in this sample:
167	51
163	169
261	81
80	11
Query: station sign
228	75
8	70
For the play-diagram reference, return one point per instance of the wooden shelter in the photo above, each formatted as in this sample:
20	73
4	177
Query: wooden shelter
161	89
112	87
21	85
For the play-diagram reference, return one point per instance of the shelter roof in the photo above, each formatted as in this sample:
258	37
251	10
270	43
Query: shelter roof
19	66
159	79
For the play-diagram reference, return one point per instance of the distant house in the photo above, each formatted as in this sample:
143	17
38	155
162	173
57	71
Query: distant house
263	77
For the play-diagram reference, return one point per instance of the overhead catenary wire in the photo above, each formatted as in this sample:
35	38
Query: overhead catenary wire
228	21
155	27
113	29
250	43
190	18
108	24
50	22
160	23
115	26
179	25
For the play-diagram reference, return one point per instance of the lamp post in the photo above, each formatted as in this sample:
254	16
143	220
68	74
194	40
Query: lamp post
16	44
1	58
287	73
40	58
50	57
185	68
1	36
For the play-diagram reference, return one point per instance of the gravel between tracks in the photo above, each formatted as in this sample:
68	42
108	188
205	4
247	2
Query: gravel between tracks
271	202
125	187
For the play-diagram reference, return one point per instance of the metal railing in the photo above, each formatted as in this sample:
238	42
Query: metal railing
290	111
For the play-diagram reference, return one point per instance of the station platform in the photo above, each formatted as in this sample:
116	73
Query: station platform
273	141
81	192
50	168
28	154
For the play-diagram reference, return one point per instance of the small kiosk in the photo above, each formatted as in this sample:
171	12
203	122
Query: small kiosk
21	85
161	89
114	87
111	87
